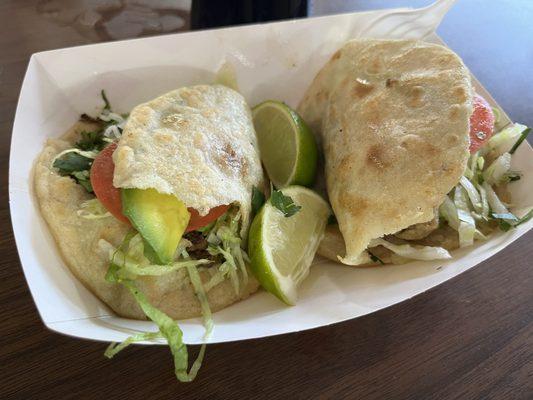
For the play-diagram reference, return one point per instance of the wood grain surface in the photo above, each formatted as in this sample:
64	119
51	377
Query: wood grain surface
470	338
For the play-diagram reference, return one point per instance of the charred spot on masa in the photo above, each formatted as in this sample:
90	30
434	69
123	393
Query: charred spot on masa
416	96
373	112
174	120
322	95
333	112
337	55
455	111
229	158
391	82
163	138
375	157
354	204
345	165
361	88
453	140
459	93
375	66
430	150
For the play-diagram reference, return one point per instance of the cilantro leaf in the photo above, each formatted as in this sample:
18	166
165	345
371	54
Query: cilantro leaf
71	162
507	216
93	140
507	221
284	203
258	199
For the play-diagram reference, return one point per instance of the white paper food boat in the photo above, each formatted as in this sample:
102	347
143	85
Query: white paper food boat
272	61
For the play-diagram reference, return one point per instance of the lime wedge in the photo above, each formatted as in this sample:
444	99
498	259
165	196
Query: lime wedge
282	248
287	146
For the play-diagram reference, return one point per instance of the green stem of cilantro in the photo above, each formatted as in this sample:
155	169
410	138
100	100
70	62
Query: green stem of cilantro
107	105
522	137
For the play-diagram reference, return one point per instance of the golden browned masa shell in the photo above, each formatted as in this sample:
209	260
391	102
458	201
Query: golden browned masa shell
77	239
393	120
197	143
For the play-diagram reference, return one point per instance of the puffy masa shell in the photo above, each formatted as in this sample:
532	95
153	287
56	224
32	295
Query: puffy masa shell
393	120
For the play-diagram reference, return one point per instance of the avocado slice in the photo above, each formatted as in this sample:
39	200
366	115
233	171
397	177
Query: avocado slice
160	218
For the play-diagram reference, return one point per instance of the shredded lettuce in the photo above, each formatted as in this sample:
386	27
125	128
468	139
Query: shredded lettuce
448	211
494	201
130	257
92	209
473	194
413	252
474	198
224	239
467	225
484	201
480	163
497	115
201	294
218	277
114	348
496	172
127	263
503	141
168	329
472	166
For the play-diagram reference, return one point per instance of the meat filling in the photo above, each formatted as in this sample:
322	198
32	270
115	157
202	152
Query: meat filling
419	231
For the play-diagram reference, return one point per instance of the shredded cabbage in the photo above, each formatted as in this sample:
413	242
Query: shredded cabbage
92	209
412	252
496	172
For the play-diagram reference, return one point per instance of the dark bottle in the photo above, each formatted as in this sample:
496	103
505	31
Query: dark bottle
212	13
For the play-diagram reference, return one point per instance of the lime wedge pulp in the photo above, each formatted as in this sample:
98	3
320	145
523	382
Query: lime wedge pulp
281	248
287	146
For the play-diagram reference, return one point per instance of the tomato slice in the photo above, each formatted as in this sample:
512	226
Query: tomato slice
481	123
102	172
197	221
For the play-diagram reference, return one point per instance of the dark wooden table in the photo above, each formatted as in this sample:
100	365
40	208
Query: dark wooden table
470	338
